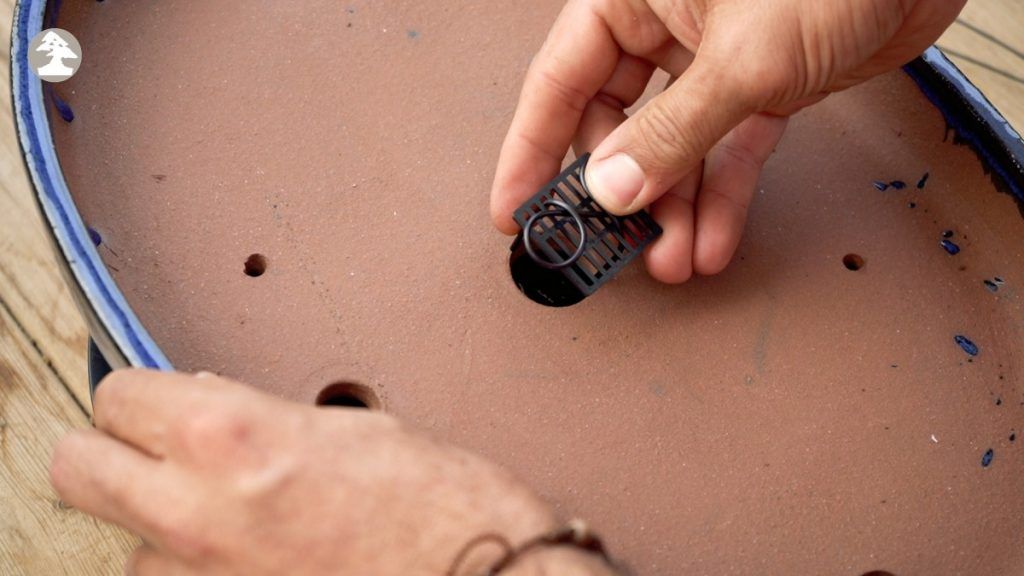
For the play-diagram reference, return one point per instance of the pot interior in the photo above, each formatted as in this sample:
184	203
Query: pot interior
294	194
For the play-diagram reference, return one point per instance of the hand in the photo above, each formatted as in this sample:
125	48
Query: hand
694	153
220	479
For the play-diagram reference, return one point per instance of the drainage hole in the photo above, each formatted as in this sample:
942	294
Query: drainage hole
853	262
255	265
348	395
546	287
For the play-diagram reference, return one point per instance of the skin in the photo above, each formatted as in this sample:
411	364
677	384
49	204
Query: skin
694	153
219	479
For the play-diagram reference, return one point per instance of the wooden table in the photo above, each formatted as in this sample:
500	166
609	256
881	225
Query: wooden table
43	386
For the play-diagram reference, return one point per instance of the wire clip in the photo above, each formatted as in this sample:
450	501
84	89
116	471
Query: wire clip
565	231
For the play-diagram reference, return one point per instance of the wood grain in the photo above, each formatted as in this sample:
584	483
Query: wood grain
29	280
43	382
1003	19
38	534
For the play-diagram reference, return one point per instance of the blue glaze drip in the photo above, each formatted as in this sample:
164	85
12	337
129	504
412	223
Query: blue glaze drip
413	34
923	181
898	184
972	119
963	342
65	111
94	236
950	247
881	186
999	280
992	286
62	107
986	459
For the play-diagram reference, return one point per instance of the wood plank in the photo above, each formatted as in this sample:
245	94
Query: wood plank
39	325
38	534
29	280
1003	19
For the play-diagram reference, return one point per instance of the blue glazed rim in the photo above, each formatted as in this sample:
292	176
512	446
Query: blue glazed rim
112	323
122	339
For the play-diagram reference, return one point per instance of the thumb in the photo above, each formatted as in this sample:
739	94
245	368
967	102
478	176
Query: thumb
651	151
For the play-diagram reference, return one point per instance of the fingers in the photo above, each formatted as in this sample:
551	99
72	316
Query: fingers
144	408
704	214
670	258
921	28
651	152
731	172
701	232
128	405
107	479
138	406
577	59
924	24
607	109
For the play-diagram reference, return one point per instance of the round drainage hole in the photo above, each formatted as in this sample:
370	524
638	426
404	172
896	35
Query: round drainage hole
255	265
546	287
853	262
348	395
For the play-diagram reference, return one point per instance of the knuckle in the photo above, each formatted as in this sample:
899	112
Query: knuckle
183	537
778	81
208	430
565	92
660	135
738	204
743	156
755	81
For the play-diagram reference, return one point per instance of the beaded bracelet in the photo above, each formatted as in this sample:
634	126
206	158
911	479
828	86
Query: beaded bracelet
575	534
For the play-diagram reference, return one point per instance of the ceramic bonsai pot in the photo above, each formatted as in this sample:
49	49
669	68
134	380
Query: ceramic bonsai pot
309	216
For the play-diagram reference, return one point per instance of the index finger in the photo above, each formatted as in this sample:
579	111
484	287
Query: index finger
138	407
577	59
105	478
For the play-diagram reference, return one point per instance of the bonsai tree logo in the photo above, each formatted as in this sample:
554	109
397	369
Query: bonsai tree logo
55	55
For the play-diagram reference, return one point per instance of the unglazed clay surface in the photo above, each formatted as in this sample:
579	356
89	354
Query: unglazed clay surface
789	416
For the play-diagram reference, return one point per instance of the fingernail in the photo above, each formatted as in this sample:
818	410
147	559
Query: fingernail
615	182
